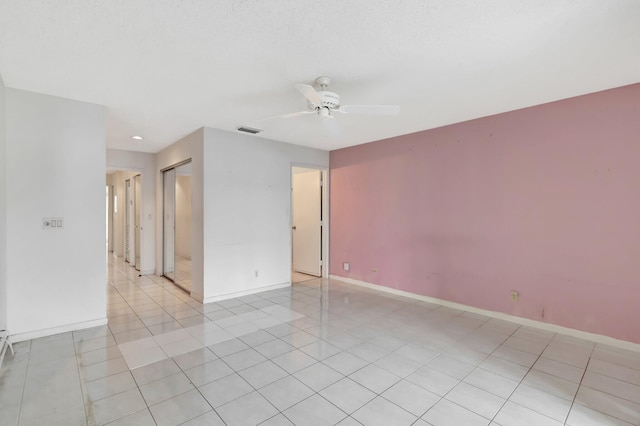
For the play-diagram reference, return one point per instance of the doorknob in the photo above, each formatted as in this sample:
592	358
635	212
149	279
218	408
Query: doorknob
293	227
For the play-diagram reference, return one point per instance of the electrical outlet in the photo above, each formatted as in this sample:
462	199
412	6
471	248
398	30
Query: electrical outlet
256	273
515	296
346	266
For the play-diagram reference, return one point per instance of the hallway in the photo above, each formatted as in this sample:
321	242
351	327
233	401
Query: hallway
319	353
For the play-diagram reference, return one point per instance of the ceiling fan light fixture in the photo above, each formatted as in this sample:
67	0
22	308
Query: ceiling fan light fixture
324	112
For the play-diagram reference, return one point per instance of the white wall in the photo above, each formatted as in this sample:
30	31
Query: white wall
55	163
247	206
145	164
190	147
3	211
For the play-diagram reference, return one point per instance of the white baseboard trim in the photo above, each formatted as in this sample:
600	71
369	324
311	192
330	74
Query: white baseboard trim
593	337
148	272
226	296
28	335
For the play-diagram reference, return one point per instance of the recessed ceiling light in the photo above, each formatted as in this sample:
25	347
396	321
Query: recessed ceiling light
138	138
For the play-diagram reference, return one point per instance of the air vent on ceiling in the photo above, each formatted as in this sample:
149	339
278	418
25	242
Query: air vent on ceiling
246	129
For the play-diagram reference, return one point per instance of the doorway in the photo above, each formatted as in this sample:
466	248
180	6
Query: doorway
136	221
308	224
125	212
107	221
177	219
111	206
128	213
132	221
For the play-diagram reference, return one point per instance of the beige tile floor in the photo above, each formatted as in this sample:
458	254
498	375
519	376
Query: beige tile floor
320	353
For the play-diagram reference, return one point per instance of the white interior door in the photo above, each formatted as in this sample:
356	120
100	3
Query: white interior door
307	222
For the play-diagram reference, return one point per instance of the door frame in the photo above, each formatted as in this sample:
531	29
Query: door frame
324	250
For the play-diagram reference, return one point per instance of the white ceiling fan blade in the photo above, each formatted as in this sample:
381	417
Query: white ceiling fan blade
370	109
297	114
310	93
331	126
290	115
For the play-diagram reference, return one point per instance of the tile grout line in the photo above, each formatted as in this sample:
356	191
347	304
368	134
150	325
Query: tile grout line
148	408
442	352
24	384
128	369
235	372
573	401
523	377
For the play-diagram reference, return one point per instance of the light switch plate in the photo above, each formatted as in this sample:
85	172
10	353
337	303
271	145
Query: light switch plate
52	223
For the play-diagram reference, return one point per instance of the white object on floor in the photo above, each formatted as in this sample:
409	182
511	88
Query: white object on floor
5	342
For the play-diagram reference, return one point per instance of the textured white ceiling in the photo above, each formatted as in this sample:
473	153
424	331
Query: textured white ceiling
166	68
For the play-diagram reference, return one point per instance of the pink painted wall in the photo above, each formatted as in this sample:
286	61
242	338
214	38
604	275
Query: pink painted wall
544	200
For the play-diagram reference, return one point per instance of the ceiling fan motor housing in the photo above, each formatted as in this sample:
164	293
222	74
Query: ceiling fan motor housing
330	100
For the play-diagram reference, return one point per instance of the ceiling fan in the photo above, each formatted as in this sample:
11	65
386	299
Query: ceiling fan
325	104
